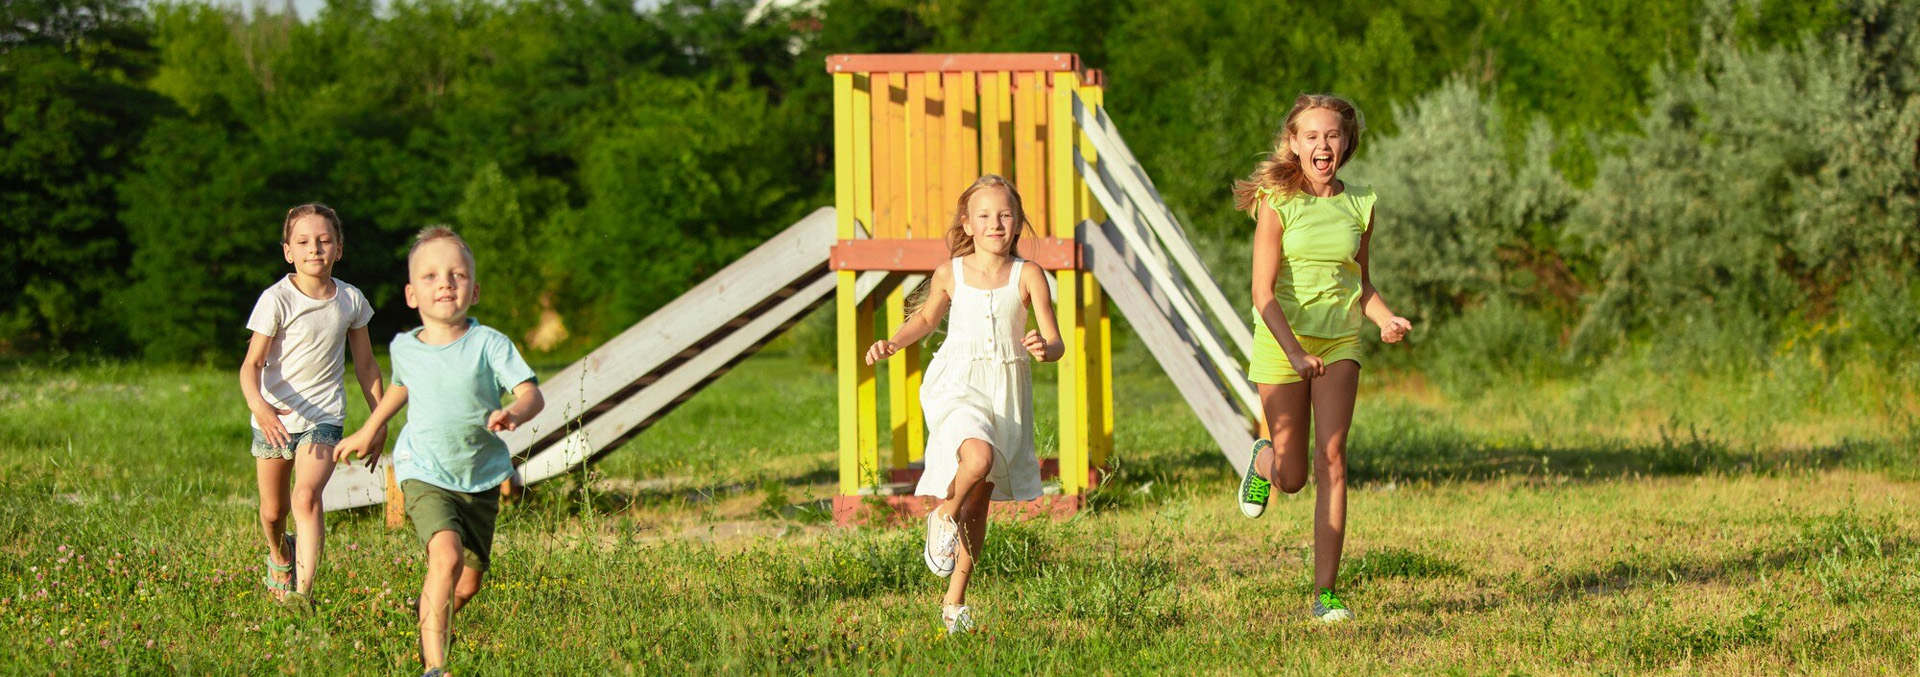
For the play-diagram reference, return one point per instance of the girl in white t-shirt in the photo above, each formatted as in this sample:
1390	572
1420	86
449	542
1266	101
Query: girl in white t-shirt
293	380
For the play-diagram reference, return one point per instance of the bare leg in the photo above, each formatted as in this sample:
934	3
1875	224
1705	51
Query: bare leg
973	536
313	466
976	458
272	475
1287	412
469	585
1333	395
444	572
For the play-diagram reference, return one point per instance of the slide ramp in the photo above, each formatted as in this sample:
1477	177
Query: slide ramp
615	392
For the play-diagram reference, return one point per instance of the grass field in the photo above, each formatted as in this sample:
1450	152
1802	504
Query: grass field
1741	526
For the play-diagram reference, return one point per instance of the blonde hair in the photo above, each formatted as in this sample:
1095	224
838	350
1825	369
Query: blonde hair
1280	172
311	209
432	233
958	242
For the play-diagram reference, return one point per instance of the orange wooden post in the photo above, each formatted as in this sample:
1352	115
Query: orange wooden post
396	502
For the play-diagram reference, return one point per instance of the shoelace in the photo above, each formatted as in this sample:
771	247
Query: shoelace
1331	602
1258	489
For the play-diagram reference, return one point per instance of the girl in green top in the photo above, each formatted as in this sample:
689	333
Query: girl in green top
1310	290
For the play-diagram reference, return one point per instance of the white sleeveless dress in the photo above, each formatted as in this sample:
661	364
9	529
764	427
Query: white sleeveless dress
980	386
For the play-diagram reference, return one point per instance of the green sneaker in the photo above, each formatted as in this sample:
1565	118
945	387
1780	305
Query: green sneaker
1254	489
1327	608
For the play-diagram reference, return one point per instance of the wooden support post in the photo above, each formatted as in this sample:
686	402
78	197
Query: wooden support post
903	389
859	448
396	501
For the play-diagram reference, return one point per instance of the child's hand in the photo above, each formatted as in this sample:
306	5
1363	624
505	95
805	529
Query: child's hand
356	446
1395	329
270	427
881	350
502	420
1307	365
1035	345
375	447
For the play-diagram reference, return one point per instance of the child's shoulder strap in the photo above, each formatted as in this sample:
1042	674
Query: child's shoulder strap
959	273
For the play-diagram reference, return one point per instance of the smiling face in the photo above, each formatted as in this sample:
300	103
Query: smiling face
312	246
1320	142
440	281
992	221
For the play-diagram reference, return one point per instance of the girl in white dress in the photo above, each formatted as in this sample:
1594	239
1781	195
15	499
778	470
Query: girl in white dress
978	392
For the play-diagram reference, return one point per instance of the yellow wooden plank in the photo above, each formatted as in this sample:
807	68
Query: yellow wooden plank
996	118
968	163
1027	163
916	417
897	383
1098	374
867	392
843	176
1073	450
862	129
1063	197
931	202
849	363
914	158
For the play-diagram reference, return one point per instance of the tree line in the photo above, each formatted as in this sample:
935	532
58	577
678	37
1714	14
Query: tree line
1559	181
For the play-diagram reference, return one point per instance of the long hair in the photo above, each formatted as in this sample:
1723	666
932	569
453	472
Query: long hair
1280	172
958	243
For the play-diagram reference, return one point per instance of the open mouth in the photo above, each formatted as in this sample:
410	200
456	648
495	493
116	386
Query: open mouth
1323	163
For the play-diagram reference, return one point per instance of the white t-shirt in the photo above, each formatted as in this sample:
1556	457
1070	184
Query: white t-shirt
308	361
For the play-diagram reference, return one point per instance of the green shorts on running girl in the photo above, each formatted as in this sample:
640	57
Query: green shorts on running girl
1270	365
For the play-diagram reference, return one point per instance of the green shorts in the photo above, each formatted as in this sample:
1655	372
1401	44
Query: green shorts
469	516
1270	365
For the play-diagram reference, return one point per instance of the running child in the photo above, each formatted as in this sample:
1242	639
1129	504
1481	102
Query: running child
978	392
1311	287
293	382
449	462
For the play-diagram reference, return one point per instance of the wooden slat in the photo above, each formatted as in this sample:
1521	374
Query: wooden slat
925	255
1027	163
843	169
862	151
866	63
968	164
996	124
1073	443
1126	283
883	159
682	323
896	180
914	196
633	415
932	196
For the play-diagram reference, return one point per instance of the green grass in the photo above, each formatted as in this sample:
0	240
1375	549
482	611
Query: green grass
1529	530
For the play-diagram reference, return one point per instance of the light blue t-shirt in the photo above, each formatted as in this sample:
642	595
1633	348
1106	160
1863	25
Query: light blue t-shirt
450	391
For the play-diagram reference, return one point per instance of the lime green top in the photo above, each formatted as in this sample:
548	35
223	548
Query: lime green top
1319	283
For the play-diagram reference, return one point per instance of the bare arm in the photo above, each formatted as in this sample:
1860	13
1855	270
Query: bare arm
527	403
1044	343
365	368
1392	327
1267	250
361	441
916	327
264	413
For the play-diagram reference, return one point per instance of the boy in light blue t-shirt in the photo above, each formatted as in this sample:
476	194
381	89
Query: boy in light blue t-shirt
449	462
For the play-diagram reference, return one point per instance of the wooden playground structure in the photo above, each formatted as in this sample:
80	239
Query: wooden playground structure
911	131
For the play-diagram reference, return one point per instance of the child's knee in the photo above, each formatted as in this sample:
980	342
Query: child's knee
1290	482
444	552
307	498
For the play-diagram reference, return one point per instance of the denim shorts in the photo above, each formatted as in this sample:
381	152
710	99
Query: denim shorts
324	433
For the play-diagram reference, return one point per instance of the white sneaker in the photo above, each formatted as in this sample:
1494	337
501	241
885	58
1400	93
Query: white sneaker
943	536
957	617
